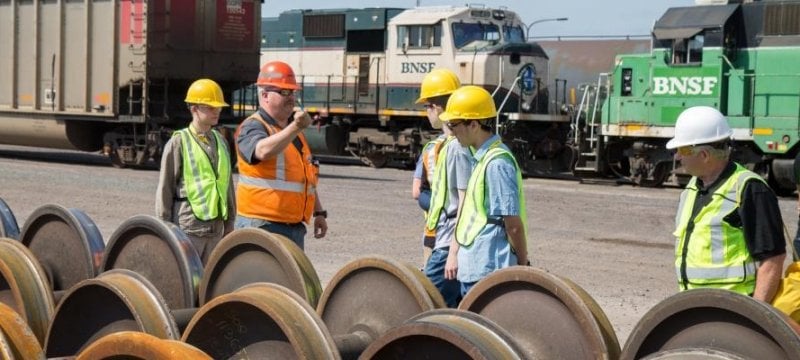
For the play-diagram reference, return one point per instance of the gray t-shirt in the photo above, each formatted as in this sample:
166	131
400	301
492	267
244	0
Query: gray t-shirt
459	166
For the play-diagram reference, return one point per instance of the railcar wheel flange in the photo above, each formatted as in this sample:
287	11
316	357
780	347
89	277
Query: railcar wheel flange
254	255
160	252
66	242
138	345
713	319
263	321
20	340
445	334
8	223
23	286
117	300
541	310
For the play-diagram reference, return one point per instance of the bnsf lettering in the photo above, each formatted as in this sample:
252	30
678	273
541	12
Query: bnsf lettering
685	85
411	67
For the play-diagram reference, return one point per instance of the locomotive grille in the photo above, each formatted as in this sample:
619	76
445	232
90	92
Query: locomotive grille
782	19
323	26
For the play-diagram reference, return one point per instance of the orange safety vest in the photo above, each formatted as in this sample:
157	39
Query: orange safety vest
281	188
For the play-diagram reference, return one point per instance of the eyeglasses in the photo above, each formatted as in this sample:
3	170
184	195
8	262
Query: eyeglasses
454	124
283	92
434	105
206	108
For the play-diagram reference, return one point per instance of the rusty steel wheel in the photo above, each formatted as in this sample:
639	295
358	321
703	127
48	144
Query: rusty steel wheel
367	297
260	321
20	341
433	292
137	345
713	319
8	223
541	311
23	286
445	334
254	255
160	252
66	242
116	300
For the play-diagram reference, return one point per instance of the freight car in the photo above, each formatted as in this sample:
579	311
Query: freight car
741	58
361	69
111	75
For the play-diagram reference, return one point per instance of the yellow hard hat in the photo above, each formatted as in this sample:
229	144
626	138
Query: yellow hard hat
438	82
469	103
206	92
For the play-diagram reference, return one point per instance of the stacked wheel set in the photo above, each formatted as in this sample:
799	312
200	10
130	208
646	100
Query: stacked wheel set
146	295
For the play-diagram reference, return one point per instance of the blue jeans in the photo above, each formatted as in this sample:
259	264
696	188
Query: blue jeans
466	286
796	242
434	270
295	232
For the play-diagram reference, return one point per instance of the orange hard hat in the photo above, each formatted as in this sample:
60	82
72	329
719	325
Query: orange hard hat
277	74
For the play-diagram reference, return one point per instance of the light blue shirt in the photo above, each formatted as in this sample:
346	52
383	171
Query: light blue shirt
491	250
458	167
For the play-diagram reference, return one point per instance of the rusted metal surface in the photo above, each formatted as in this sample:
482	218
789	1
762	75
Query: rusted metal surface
138	345
367	297
580	61
433	292
160	252
713	319
541	310
117	300
20	341
260	321
8	223
253	255
66	242
445	334
23	286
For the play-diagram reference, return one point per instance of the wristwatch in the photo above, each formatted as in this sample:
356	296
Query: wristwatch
323	213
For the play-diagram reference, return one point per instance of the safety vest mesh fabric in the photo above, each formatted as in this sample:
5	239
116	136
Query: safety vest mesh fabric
473	216
438	185
716	253
432	147
206	188
281	188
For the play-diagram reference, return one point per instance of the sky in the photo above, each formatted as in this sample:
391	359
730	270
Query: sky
585	17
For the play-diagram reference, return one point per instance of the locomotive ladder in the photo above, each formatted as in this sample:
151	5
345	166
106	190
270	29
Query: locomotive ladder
587	135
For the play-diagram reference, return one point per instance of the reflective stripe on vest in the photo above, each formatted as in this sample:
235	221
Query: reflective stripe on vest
206	188
716	253
473	216
281	188
439	191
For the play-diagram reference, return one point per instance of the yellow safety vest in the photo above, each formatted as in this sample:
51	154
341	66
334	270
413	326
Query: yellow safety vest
473	216
715	253
206	187
438	185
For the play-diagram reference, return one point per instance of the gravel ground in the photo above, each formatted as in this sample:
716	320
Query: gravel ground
614	241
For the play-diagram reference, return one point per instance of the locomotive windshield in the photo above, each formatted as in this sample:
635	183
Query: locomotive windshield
474	34
513	34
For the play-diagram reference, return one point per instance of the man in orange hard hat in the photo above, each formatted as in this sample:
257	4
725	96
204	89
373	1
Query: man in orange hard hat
195	188
277	189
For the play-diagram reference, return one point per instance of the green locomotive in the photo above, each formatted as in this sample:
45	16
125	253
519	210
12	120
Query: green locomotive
742	58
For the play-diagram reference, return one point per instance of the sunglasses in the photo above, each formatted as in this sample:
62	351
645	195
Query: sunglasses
454	124
206	108
283	92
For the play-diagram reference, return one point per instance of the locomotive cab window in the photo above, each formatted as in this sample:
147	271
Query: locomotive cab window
419	36
474	34
688	51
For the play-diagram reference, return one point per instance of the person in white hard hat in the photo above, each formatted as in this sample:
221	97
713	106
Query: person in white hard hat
729	231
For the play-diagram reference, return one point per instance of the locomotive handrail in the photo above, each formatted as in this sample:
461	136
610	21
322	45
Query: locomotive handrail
503	104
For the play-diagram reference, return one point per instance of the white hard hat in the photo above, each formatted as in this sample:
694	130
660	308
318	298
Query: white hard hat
700	125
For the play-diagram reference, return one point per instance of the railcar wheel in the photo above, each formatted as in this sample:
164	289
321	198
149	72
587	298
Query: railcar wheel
714	319
8	223
445	334
260	321
66	242
137	345
430	288
116	300
542	310
355	302
23	286
20	342
160	252
254	255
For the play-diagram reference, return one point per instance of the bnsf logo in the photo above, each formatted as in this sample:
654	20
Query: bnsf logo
412	67
685	85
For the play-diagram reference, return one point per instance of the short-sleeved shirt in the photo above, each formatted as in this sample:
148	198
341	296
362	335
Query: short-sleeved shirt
758	216
458	165
491	249
251	132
